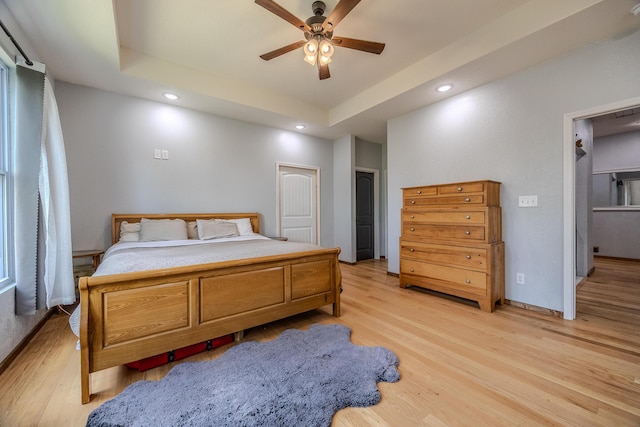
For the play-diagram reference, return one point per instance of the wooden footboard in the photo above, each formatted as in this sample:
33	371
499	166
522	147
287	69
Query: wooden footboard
131	316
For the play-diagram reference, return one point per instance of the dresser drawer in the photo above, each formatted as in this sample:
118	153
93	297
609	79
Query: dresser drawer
452	200
448	216
421	191
467	257
444	232
475	193
473	187
466	280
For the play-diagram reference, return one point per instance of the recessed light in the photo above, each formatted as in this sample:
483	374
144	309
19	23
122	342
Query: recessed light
300	126
445	87
170	96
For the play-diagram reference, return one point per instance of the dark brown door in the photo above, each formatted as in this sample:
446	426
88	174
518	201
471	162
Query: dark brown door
364	215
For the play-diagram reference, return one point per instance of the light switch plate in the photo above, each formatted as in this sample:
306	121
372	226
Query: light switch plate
157	154
527	201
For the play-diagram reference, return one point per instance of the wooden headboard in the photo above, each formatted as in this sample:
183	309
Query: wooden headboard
116	220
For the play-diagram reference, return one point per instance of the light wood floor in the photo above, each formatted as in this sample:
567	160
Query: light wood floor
459	365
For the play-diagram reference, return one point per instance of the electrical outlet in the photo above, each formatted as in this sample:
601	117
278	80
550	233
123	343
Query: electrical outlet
165	154
520	278
527	201
157	154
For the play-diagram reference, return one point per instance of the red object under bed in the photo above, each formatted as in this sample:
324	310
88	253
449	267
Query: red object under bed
181	353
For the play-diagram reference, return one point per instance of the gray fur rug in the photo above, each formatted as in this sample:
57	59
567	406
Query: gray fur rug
299	379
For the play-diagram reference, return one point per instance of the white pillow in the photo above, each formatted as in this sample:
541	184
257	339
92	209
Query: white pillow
162	229
129	232
244	225
211	229
192	230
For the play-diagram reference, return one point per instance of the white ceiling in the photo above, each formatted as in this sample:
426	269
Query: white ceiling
207	51
617	122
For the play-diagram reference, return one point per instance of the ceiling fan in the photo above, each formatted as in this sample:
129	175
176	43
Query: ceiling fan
318	32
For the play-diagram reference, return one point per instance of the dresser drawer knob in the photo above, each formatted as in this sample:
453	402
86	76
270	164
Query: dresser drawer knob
412	217
468	216
467	199
411	270
419	192
467	233
468	281
413	202
468	256
411	250
459	188
413	229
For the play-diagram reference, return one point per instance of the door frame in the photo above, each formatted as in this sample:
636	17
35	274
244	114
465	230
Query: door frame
318	210
569	195
376	209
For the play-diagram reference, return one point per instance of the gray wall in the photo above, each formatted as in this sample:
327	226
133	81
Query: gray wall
384	190
511	130
604	189
616	232
369	155
215	164
616	152
344	190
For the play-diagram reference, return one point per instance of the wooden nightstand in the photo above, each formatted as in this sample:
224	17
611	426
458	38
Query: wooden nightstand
81	270
94	254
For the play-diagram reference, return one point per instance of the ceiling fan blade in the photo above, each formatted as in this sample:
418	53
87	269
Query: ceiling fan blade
338	13
283	13
285	49
363	45
323	72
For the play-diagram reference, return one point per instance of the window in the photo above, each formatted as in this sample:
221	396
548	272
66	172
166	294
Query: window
6	199
613	189
630	192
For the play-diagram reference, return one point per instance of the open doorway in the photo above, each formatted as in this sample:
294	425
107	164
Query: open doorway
616	184
571	157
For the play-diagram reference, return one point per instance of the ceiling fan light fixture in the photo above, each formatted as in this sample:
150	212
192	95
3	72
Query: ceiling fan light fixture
311	47
326	47
318	29
318	50
324	60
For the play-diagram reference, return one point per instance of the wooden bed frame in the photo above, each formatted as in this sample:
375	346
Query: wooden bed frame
131	316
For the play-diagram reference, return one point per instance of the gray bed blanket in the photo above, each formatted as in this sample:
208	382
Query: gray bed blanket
129	260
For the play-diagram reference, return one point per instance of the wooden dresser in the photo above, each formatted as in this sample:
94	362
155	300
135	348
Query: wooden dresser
452	240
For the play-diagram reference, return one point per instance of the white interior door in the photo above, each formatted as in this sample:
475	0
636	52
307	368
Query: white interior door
298	203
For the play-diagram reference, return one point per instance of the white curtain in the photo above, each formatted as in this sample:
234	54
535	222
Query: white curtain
54	199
